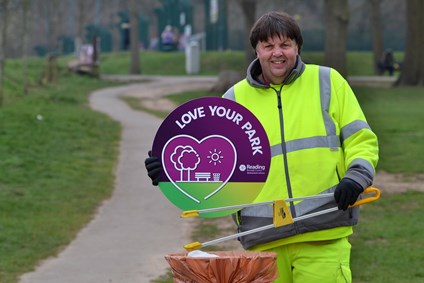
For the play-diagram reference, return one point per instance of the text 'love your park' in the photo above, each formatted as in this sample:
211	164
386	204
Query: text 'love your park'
222	112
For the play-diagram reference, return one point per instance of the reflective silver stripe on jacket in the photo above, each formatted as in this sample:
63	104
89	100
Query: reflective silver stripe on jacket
325	95
305	143
352	128
361	171
302	208
362	163
229	94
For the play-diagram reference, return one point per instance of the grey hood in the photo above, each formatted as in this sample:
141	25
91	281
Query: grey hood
255	70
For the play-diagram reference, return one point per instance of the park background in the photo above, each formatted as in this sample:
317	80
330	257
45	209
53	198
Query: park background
57	26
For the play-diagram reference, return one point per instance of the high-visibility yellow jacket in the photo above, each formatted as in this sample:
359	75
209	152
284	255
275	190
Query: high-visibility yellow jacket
318	135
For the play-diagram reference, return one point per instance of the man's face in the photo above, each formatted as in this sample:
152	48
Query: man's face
277	57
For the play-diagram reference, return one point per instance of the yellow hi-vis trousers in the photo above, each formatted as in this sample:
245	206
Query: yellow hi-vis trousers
310	262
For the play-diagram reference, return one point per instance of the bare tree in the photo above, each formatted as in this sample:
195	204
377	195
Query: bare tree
81	18
413	75
248	8
51	16
337	19
3	28
25	44
134	38
56	18
377	37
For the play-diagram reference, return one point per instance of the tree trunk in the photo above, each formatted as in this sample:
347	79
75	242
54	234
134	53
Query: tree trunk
412	73
3	28
80	26
248	8
337	19
377	37
25	45
134	39
52	15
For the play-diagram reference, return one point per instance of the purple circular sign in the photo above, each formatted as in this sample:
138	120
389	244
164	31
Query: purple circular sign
214	152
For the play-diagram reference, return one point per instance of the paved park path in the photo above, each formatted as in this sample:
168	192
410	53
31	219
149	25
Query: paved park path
132	231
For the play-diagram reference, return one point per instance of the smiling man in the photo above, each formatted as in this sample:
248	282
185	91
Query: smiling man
320	143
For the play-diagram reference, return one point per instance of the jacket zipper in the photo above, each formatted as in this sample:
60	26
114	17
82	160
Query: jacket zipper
284	150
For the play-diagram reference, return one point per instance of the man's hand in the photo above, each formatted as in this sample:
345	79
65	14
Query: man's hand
154	168
347	192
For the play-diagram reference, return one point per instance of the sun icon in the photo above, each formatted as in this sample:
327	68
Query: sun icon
215	156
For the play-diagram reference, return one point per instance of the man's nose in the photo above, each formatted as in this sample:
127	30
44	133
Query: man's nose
278	51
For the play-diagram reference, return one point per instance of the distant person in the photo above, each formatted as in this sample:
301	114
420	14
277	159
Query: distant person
125	26
169	39
387	63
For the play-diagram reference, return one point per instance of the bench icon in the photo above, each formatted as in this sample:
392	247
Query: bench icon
202	176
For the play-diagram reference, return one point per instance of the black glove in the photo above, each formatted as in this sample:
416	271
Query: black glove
347	192
154	168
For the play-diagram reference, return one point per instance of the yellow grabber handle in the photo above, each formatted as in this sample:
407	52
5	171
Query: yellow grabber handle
282	217
368	199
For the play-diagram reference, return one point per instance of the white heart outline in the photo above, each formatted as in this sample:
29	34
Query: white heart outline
199	142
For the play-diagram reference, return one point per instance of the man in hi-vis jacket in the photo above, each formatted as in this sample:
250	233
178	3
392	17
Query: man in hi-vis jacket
320	143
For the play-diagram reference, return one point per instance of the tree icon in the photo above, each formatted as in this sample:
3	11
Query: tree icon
185	158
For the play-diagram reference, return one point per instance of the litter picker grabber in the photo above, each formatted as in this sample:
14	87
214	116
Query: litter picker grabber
281	214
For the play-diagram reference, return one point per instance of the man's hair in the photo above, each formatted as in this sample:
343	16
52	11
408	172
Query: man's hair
275	24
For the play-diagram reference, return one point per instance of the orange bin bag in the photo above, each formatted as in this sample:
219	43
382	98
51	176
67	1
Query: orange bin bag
228	267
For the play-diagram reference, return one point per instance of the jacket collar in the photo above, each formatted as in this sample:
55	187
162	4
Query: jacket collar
254	71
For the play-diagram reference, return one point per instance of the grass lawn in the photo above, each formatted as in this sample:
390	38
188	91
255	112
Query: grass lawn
387	243
396	116
56	164
387	246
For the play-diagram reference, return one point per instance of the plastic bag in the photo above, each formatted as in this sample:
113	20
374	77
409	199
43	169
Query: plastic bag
228	267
